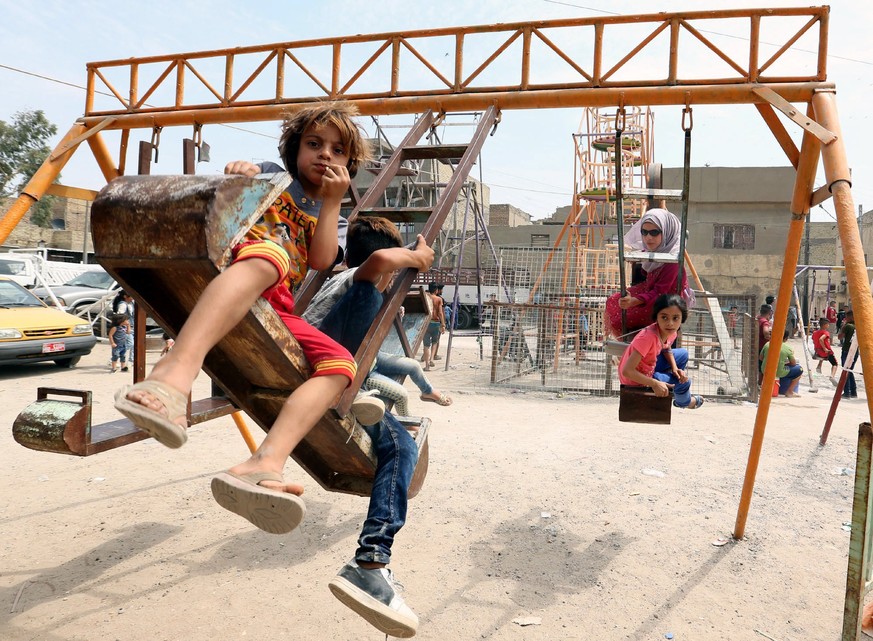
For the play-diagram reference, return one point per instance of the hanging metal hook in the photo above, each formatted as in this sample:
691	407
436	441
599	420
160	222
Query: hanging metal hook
689	112
438	120
156	139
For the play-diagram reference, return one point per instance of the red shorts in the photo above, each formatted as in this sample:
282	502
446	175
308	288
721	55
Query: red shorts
325	355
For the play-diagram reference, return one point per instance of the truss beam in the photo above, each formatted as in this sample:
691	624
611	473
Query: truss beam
411	72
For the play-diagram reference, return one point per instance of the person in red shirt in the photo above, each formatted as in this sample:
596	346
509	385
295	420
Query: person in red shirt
831	312
821	341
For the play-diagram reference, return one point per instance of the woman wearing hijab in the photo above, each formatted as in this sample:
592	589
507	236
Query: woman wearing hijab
657	231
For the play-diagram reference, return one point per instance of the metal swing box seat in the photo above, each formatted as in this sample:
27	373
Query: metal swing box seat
185	229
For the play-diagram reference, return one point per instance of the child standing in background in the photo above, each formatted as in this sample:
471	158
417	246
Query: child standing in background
118	341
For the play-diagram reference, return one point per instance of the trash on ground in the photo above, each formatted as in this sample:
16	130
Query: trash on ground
651	472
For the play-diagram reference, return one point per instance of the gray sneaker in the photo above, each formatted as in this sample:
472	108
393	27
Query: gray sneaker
373	594
367	409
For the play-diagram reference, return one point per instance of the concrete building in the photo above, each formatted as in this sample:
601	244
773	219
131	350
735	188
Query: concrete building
505	215
70	218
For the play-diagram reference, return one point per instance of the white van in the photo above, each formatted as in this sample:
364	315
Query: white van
20	268
29	268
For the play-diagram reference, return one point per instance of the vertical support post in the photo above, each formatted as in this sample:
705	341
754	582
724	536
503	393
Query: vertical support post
822	68
597	66
139	343
525	57
280	73
335	71
839	183
133	92
459	62
754	38
674	52
228	79
856	576
803	184
89	91
35	188
180	83
395	66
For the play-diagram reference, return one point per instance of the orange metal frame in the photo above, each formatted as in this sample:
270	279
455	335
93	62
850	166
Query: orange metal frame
455	87
520	86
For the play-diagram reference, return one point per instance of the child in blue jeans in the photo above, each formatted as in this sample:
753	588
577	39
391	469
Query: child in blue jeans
650	362
118	333
344	309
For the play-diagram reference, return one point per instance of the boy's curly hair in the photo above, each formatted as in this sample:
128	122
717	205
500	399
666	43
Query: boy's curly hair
341	115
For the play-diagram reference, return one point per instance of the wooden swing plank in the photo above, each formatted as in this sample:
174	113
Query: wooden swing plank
640	405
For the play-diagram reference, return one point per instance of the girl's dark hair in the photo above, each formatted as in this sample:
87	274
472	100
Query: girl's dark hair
117	300
118	319
670	300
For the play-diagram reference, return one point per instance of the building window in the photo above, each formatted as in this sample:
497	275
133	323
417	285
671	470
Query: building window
733	236
539	240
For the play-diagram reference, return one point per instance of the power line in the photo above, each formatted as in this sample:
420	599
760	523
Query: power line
716	33
538	182
104	93
534	191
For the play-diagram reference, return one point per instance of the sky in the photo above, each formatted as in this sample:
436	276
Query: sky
44	47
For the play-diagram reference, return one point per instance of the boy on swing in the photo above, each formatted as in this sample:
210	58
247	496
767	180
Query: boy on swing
322	147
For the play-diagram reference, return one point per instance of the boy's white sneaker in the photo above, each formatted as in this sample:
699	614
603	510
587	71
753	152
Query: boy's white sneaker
374	594
367	409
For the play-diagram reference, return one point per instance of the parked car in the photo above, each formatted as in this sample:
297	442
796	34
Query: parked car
31	331
79	295
82	291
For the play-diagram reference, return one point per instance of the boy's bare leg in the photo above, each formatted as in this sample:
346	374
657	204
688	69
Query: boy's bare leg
223	304
306	405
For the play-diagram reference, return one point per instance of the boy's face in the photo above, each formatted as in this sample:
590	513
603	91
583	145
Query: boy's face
321	149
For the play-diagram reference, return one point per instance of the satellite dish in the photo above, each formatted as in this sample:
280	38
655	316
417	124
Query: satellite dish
59	224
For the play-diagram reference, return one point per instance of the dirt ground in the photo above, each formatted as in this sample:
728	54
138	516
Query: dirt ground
536	509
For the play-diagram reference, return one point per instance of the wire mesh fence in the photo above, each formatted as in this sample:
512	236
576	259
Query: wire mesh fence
555	341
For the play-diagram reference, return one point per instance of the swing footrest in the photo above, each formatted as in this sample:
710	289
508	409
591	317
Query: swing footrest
657	194
640	405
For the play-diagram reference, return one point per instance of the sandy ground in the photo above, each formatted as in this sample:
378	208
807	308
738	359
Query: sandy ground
535	508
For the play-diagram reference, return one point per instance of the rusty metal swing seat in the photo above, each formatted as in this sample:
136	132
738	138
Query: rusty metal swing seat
164	238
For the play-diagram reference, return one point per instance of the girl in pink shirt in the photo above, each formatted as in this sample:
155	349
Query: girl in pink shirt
650	362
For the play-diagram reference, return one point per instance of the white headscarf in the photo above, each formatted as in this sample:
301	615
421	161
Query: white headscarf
670	232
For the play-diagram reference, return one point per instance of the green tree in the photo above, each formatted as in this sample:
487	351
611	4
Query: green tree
23	148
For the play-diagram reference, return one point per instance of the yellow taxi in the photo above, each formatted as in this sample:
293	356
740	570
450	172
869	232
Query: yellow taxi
31	331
